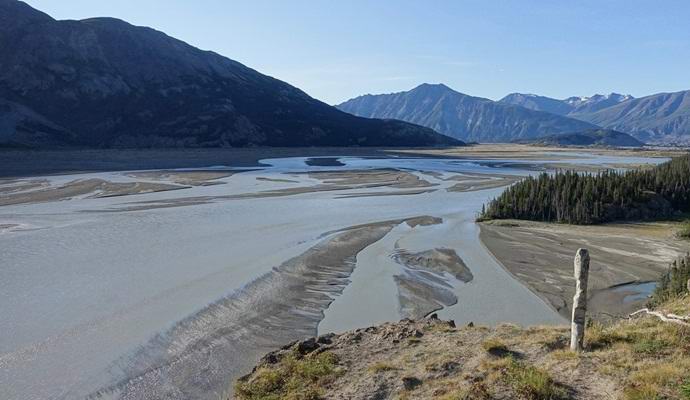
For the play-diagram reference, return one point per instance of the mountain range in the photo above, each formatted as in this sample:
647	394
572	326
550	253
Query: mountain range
102	82
462	116
660	119
571	106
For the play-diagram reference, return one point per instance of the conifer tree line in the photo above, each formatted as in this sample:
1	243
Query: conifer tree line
673	283
577	198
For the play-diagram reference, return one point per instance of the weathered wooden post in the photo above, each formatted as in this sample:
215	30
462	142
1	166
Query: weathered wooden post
577	327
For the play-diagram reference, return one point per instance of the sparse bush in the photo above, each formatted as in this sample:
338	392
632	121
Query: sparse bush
381	367
673	283
494	346
684	231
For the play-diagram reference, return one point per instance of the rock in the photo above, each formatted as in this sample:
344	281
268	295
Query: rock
307	346
470	325
417	333
433	316
325	339
410	382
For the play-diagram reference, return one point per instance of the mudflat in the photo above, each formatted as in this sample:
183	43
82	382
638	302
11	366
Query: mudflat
625	257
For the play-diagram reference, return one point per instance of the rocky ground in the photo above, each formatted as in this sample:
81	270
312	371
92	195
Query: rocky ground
642	358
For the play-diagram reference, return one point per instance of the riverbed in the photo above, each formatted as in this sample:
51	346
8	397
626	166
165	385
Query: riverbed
169	284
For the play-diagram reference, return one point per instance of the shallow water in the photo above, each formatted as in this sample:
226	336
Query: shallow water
82	288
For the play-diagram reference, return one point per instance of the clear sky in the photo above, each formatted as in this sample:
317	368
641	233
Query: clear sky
335	50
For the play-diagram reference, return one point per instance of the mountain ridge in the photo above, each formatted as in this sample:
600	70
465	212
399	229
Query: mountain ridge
462	116
107	83
662	118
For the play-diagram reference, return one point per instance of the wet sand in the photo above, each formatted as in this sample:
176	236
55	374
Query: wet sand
330	181
202	355
93	188
530	152
541	256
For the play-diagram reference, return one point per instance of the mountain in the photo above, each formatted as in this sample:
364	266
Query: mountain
102	82
660	118
538	103
461	116
590	137
572	106
585	105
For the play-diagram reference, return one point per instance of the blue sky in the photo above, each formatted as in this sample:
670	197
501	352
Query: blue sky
335	50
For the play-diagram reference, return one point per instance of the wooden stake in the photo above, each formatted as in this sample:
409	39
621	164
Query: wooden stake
577	327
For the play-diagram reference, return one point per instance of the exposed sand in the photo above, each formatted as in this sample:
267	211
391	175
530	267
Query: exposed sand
204	354
81	187
190	178
332	181
528	152
541	256
422	287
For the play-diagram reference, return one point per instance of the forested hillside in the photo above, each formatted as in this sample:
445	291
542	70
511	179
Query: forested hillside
575	198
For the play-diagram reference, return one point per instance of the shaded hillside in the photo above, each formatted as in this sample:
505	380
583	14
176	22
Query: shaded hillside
573	198
659	118
461	116
590	137
102	82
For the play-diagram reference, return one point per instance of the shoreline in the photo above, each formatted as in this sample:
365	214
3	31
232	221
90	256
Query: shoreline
21	163
539	255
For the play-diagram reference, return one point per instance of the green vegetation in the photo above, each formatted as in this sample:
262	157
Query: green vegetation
527	381
295	378
684	232
570	197
674	282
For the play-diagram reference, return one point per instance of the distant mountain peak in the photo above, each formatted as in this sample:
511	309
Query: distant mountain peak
461	116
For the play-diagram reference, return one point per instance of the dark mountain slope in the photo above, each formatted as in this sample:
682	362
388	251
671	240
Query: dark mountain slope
590	137
461	116
108	83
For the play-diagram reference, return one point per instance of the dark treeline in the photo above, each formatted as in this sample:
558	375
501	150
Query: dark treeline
675	282
576	198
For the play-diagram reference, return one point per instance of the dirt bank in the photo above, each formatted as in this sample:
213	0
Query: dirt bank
541	256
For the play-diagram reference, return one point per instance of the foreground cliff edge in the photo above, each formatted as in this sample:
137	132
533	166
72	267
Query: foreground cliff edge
637	358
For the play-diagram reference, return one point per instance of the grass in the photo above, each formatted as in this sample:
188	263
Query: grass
294	378
684	231
532	383
527	381
381	366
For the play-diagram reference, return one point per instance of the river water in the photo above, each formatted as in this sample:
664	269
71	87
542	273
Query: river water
84	284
